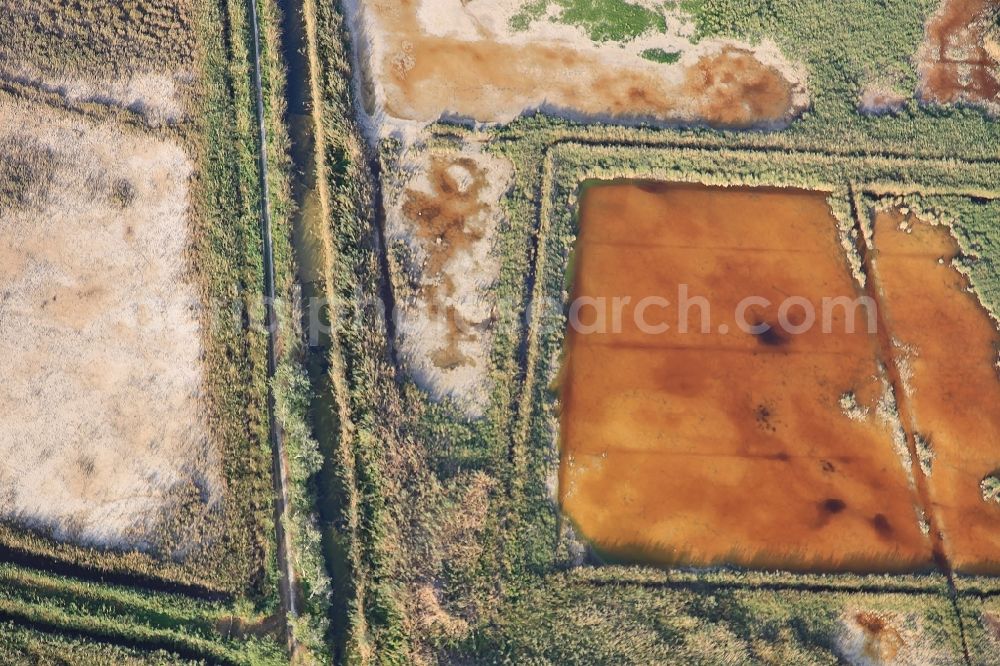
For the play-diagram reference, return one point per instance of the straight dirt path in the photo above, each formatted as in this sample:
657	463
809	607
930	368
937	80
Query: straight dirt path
286	580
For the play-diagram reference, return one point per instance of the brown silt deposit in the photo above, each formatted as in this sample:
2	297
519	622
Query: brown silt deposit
772	448
495	77
960	58
946	344
882	641
445	223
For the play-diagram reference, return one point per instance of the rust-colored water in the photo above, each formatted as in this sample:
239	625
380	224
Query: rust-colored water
710	448
958	64
949	345
426	76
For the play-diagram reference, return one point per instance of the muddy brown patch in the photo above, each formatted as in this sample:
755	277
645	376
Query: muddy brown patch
882	641
446	221
733	88
958	61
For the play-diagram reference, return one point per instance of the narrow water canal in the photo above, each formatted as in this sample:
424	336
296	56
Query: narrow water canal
311	261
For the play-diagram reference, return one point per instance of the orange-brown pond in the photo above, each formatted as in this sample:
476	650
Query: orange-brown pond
947	345
724	443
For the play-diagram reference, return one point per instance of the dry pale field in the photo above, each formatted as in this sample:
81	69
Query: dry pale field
99	331
426	59
156	96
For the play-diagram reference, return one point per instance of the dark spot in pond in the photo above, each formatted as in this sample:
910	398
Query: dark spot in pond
768	335
782	456
763	416
940	559
834	505
881	525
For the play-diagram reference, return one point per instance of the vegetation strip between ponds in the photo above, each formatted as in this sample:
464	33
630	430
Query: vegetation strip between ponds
53	565
155	639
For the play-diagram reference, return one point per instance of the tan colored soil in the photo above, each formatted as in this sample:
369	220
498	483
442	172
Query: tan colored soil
491	77
948	343
959	60
881	98
729	448
99	336
155	96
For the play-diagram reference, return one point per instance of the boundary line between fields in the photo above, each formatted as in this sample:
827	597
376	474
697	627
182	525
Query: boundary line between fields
286	579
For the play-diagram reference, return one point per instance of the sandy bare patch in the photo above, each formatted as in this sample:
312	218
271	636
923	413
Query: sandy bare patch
869	638
427	59
959	61
880	99
99	338
445	215
155	96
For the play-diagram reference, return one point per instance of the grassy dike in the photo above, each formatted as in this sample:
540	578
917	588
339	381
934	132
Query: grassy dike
292	390
367	614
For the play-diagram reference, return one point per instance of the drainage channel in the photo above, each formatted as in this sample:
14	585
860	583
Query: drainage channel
311	261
